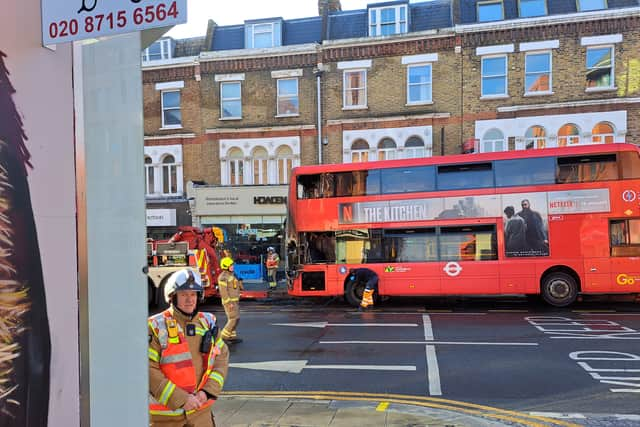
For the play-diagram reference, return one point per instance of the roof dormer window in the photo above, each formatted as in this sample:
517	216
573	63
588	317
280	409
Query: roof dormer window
586	5
389	20
160	49
264	34
490	10
531	8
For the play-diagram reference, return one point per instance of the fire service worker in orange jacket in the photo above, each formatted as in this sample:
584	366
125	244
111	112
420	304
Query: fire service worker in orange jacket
229	288
187	365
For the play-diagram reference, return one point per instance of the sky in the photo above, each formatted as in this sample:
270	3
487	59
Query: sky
235	12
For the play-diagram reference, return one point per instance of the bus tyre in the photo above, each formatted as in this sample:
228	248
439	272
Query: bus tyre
559	289
353	292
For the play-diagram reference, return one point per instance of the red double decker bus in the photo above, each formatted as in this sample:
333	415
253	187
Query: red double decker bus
557	222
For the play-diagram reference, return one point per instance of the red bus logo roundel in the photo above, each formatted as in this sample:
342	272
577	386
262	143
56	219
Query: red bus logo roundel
628	195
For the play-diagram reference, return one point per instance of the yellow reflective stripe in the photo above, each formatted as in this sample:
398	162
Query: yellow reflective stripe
170	413
166	393
154	355
217	377
200	331
222	284
230	299
174	340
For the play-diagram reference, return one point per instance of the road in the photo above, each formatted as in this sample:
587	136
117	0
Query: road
577	363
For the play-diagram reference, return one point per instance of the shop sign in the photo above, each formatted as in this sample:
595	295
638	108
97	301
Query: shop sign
161	217
69	20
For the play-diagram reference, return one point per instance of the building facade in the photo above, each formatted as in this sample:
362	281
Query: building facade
246	103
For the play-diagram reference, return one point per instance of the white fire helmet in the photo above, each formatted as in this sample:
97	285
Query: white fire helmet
183	280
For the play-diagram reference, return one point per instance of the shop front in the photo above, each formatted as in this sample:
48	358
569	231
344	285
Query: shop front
163	219
251	219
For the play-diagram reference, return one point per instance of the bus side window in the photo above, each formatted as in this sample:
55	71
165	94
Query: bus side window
629	164
587	168
309	186
624	235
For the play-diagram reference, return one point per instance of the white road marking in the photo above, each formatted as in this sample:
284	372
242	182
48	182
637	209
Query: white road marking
296	366
325	324
433	342
433	372
559	415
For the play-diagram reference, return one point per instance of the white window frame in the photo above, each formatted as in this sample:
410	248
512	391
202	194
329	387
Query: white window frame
544	5
179	108
375	28
287	97
260	166
415	152
612	85
223	100
504	141
271	31
579	6
168	169
603	136
506	77
570	139
165	50
550	72
235	164
284	166
346	90
536	140
488	2
149	176
429	84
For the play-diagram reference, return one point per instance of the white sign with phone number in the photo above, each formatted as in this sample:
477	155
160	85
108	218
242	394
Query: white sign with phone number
69	20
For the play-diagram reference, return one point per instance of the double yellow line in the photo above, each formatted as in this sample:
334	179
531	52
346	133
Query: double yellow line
428	402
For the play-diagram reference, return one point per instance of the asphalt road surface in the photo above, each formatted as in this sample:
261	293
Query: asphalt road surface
578	363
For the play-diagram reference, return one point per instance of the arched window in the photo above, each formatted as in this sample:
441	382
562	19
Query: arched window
493	140
148	173
169	175
284	162
568	134
260	160
387	149
236	167
602	133
359	151
414	148
535	137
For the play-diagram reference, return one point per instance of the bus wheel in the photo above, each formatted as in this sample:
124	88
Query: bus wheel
353	292
559	289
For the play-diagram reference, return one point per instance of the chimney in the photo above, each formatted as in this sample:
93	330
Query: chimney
208	40
328	6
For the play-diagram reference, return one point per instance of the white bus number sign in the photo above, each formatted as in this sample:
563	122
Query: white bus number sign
69	20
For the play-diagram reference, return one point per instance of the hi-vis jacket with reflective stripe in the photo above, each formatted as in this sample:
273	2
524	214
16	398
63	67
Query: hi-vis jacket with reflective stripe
176	366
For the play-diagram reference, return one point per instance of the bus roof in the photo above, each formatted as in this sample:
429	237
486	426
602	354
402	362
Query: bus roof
468	158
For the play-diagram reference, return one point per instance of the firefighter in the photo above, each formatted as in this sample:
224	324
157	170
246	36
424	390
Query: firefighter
229	287
273	260
370	279
187	364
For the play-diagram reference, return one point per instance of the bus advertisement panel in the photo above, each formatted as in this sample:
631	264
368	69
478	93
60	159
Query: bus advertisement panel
476	224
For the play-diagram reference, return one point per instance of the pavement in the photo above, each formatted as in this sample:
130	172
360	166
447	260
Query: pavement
343	409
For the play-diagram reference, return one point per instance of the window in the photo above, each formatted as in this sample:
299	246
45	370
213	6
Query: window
355	89
537	73
408	180
472	243
624	235
535	137
236	167
260	162
493	140
169	175
539	171
461	176
568	134
419	84
602	133
386	21
160	49
531	8
414	148
587	168
586	5
600	67
387	149
359	151
230	100
171	114
494	76
149	178
284	161
263	35
288	97
490	11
